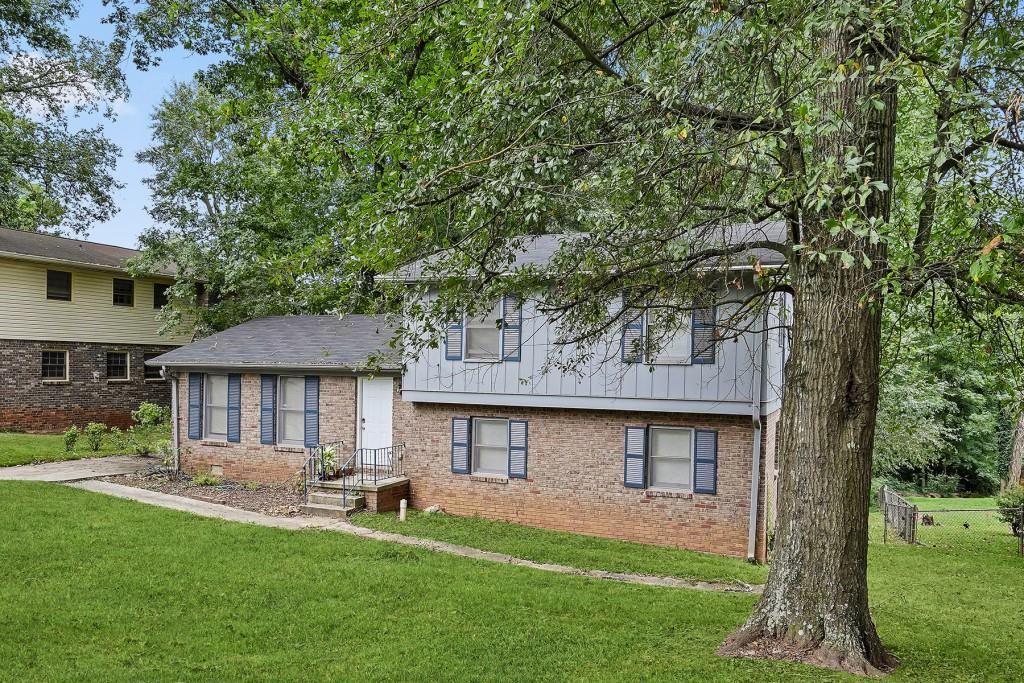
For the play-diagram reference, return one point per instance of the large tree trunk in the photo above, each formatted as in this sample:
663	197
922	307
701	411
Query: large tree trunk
1016	454
815	604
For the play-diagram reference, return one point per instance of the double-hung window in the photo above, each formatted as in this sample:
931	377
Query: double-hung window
670	338
483	335
117	365
55	366
151	372
215	408
58	285
291	405
670	457
160	298
124	292
490	446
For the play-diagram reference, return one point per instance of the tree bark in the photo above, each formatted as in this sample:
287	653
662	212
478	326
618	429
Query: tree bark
815	605
1016	454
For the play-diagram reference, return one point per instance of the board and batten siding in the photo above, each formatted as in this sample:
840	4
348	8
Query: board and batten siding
90	316
606	382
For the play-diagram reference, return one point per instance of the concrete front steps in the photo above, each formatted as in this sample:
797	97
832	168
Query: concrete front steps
325	499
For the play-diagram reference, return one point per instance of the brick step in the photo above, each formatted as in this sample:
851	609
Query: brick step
321	510
336	499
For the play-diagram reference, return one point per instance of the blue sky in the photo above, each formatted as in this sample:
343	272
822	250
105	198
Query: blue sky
131	129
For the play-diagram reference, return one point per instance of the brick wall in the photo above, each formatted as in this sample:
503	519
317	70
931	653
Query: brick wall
250	459
29	404
575	477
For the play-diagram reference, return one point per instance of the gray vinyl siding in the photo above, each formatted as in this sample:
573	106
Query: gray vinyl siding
725	386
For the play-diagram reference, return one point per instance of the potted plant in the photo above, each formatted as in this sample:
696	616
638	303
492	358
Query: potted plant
327	461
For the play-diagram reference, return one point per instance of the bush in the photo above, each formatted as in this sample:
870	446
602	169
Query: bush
941	485
1010	504
71	438
118	440
94	432
206	479
151	415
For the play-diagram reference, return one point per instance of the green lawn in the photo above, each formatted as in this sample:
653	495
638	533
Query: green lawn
22	449
587	552
96	588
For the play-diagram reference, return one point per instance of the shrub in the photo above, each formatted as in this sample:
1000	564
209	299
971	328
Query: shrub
94	432
251	485
151	415
1010	504
942	485
118	440
205	479
71	438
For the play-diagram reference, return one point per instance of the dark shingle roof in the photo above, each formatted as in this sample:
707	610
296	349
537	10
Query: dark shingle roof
539	250
297	342
39	246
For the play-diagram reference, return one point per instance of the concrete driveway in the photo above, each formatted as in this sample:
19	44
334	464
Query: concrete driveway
74	470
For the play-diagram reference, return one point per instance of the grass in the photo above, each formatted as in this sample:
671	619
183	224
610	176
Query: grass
22	449
557	547
97	588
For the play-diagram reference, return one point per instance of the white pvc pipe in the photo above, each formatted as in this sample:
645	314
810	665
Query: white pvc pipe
401	509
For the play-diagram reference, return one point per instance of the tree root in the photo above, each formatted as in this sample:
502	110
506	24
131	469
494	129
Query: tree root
754	645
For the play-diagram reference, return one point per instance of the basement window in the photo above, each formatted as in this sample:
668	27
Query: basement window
117	365
55	366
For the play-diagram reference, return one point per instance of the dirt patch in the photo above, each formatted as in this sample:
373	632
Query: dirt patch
278	500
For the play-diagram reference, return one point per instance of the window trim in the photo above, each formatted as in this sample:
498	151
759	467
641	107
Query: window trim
127	366
648	484
145	368
167	299
71	285
500	308
279	413
67	367
473	469
207	434
113	292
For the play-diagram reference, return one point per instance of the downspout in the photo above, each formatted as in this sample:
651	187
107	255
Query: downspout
755	415
175	439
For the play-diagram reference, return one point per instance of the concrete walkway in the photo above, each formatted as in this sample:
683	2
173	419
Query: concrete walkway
205	509
75	470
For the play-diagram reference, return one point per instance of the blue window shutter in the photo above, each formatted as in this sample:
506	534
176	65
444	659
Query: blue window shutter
234	408
635	467
195	406
268	400
511	328
518	437
703	340
460	445
705	462
632	334
312	414
453	342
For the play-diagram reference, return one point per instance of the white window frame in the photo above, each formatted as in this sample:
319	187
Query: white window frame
651	456
499	327
67	367
207	405
127	366
281	413
474	445
660	358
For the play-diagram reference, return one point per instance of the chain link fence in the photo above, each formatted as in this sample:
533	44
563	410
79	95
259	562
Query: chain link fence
955	528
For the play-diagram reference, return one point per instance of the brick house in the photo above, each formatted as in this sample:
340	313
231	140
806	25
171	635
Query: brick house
75	331
676	448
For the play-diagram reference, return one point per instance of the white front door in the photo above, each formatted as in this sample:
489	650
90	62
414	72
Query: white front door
375	396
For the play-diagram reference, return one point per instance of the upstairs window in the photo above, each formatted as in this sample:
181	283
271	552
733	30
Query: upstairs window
160	294
291	406
215	396
483	336
124	292
55	366
670	338
117	365
58	285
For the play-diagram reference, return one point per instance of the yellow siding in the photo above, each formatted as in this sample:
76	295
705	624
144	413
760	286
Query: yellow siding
90	316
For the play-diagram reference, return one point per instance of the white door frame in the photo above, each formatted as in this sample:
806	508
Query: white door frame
360	395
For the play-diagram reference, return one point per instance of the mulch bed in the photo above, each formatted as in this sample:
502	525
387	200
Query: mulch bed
270	499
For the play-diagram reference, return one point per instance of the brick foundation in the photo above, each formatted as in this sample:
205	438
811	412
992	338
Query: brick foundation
27	403
575	477
250	459
386	498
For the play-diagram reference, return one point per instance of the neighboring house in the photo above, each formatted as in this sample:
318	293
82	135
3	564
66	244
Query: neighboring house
75	331
674	450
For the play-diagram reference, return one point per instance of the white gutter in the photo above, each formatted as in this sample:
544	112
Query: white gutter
755	410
